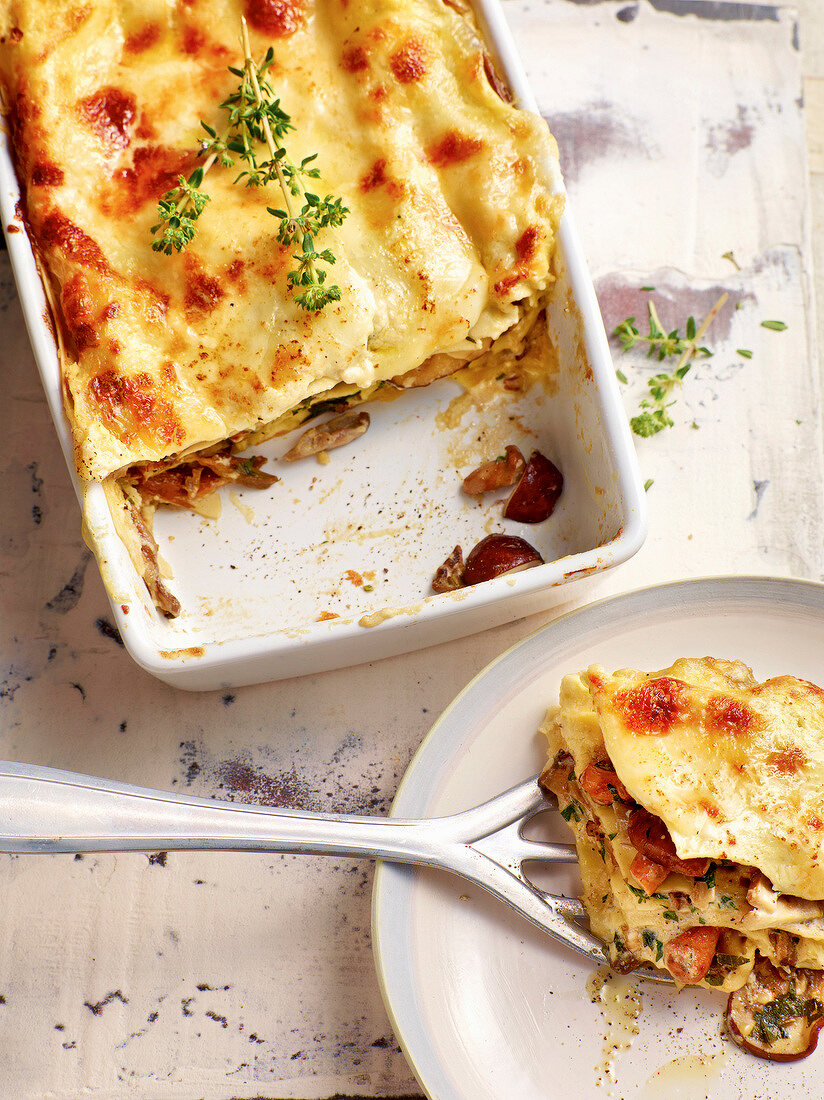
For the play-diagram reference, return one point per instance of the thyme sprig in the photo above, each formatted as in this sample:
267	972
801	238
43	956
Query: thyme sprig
178	211
653	415
256	119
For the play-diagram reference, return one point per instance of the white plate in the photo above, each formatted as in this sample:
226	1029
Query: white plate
274	588
484	1005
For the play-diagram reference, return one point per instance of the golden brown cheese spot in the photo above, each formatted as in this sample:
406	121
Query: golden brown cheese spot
726	715
408	62
235	274
110	113
787	760
288	363
504	286
203	292
132	403
77	307
526	245
15	35
154	305
453	148
375	177
24	109
110	311
58	231
143	39
355	59
654	707
195	42
277	18
46	174
154	170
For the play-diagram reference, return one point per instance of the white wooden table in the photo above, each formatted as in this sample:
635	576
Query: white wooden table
250	975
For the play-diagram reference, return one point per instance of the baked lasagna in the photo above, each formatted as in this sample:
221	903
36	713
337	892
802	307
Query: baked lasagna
696	796
175	365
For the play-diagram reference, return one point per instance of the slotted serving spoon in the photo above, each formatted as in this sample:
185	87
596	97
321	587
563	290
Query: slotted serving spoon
44	810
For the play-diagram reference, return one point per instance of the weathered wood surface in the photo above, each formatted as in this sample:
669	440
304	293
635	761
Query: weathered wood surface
244	975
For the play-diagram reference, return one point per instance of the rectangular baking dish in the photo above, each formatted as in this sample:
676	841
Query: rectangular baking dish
333	566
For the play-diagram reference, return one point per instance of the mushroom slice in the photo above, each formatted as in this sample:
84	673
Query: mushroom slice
534	497
336	432
499	554
449	575
777	1014
497	474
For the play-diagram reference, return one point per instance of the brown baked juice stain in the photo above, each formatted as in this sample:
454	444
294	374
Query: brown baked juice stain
527	244
787	760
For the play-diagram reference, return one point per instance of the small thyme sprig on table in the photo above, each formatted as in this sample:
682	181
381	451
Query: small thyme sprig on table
256	118
654	416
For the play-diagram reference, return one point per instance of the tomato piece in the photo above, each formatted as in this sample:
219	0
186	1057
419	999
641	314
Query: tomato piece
648	874
688	956
649	835
602	785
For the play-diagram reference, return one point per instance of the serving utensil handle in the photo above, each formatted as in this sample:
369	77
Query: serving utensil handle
47	810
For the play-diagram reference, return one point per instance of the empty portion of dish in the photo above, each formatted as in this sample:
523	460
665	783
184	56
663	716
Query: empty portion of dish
175	363
696	796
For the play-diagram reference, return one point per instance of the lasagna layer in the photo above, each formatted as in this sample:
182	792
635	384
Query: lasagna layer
449	188
696	796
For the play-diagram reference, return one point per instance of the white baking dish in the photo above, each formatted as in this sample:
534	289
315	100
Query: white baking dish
361	537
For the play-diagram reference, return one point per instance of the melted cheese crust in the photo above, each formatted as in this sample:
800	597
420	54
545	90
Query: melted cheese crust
451	227
735	770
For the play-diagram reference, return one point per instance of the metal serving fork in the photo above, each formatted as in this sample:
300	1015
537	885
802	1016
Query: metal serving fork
43	810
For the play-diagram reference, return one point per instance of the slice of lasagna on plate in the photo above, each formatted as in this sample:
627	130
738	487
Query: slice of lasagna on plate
696	796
